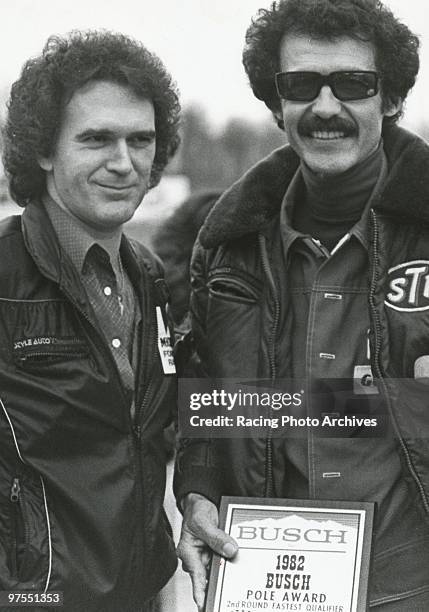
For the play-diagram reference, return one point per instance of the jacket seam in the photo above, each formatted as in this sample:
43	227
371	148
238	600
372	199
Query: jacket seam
48	525
401	547
12	430
399	596
56	300
268	492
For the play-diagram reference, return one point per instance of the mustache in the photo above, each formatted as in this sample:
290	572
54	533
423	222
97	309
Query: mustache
312	123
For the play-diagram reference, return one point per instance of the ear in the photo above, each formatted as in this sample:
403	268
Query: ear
45	163
391	108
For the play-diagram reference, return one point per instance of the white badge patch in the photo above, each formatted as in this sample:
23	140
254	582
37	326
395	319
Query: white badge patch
421	369
165	345
363	381
409	286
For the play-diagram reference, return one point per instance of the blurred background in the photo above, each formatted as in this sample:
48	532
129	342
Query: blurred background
225	129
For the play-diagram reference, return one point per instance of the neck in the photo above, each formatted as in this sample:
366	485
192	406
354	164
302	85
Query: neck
332	205
109	236
109	239
342	196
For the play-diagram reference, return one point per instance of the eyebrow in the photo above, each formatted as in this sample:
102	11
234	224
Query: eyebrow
149	134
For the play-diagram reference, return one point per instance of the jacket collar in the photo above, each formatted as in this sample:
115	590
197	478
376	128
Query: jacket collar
41	241
252	202
54	263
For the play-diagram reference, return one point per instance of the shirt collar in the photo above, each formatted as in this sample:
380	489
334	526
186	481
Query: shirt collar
76	238
289	234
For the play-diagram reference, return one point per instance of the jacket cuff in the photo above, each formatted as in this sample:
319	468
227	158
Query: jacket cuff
197	479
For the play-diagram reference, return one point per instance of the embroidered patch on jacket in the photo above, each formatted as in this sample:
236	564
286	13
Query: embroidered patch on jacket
408	286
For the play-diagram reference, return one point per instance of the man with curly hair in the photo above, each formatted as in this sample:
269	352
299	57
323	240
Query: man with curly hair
315	267
86	373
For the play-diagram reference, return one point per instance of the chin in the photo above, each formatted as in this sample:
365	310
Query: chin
117	220
120	210
330	167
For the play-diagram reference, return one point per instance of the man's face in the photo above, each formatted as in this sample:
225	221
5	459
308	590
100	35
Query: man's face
102	160
331	136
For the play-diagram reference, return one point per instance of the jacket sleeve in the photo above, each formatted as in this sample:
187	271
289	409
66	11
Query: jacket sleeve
198	465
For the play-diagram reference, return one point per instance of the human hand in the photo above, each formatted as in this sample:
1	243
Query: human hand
200	536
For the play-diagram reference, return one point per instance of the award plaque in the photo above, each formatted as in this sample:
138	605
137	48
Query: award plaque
300	555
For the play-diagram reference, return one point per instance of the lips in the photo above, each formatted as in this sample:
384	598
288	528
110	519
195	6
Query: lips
116	187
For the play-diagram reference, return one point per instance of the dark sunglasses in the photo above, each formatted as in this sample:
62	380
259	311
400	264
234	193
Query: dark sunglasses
345	85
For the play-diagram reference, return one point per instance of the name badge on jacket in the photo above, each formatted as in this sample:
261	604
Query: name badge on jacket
421	369
165	344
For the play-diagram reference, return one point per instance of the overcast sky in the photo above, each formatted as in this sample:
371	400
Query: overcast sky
199	40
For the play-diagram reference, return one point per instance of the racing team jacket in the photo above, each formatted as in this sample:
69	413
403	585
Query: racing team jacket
236	309
81	481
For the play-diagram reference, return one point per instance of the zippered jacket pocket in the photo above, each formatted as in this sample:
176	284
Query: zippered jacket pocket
20	529
24	535
231	324
235	288
38	356
25	522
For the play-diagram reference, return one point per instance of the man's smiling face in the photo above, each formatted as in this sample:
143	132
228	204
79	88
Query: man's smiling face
101	165
331	136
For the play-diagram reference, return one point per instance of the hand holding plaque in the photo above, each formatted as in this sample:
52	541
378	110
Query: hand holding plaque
294	555
200	536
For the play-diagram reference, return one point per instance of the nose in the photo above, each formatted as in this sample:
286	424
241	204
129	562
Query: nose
326	105
119	160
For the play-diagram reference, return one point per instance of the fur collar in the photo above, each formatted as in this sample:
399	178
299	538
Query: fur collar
251	203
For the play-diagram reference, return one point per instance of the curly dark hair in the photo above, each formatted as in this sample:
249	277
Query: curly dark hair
396	47
47	84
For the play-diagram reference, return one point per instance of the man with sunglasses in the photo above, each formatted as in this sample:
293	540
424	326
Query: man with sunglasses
315	266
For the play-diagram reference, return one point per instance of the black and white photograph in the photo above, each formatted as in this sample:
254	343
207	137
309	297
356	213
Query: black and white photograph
214	284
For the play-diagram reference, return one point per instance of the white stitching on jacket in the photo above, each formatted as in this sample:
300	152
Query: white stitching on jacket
45	502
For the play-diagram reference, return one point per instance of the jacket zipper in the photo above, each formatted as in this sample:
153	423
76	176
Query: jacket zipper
15	492
17	500
137	431
150	333
272	360
30	356
377	363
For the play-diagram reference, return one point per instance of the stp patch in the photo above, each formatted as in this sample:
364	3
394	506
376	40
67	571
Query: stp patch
408	286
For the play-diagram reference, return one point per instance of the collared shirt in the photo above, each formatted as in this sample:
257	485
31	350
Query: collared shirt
107	285
315	274
326	338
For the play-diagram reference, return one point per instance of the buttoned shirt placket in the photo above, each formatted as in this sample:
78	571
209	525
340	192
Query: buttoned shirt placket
110	293
115	308
332	288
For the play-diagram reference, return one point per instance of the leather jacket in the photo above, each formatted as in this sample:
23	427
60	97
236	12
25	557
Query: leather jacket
81	481
236	312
